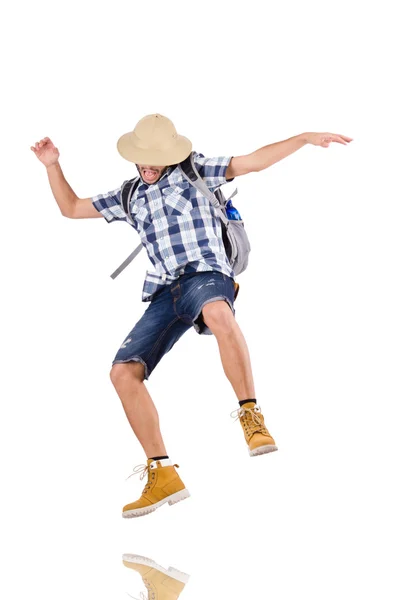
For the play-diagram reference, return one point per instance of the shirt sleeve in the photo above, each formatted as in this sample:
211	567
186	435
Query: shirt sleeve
212	170
109	205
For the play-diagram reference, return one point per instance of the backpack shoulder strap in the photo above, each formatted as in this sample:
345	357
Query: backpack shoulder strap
189	171
127	262
127	191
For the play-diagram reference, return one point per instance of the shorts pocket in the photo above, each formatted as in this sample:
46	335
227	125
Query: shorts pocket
176	291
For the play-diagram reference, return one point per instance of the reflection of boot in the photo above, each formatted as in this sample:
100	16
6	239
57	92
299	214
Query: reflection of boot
161	584
163	485
256	434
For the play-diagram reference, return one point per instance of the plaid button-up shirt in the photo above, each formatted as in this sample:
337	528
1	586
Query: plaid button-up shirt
177	225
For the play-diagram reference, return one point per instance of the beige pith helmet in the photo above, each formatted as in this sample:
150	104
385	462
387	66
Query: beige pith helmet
155	142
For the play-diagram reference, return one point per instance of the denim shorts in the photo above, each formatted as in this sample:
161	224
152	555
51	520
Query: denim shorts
173	310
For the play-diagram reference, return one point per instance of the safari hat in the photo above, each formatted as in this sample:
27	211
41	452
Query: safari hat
155	142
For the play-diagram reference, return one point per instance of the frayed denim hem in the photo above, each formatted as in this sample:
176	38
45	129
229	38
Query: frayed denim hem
204	330
133	359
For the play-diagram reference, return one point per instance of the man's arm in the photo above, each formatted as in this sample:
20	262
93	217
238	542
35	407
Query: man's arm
69	203
269	155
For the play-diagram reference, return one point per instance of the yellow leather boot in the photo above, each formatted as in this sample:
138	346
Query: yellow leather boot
163	485
161	584
256	434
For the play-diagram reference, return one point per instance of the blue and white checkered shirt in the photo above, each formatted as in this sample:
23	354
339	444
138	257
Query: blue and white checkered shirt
177	225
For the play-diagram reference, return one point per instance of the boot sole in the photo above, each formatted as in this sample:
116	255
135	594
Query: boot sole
134	559
263	450
141	512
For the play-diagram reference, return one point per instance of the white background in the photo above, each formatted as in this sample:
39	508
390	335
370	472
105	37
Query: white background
317	305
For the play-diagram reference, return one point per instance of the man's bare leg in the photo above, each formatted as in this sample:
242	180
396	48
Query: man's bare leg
237	366
166	486
232	347
141	412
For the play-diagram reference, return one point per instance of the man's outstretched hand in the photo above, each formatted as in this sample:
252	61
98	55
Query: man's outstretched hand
325	139
46	152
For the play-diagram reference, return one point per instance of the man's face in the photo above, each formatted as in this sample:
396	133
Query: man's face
149	173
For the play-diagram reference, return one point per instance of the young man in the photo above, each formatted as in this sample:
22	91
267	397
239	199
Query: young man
192	283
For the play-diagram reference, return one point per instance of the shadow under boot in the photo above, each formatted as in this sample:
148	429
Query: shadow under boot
161	583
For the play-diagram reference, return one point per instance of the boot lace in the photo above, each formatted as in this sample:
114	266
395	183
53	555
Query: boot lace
143	470
251	420
142	596
151	592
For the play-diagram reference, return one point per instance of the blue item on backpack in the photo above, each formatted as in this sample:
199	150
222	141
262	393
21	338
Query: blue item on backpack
232	212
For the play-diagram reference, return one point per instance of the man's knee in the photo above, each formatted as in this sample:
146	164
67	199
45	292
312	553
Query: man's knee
127	372
218	316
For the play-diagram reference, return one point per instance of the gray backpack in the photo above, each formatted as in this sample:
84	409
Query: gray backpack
234	236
